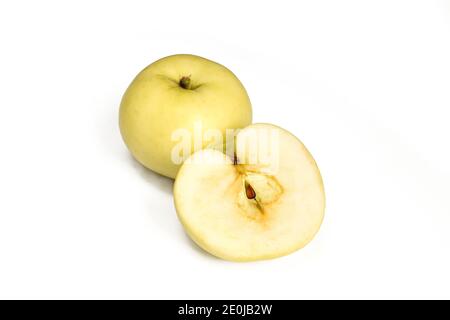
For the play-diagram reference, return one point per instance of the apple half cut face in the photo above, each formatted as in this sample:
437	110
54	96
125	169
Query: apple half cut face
264	202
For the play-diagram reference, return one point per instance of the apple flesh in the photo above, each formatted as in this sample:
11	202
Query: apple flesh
240	210
175	93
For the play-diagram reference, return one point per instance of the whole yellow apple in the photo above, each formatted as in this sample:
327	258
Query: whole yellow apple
179	92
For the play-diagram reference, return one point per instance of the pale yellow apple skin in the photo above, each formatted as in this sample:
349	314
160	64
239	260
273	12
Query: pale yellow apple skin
155	105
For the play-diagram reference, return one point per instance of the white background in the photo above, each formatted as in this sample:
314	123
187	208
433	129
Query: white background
365	85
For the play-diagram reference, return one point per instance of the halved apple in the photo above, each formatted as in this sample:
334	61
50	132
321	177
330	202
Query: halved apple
264	202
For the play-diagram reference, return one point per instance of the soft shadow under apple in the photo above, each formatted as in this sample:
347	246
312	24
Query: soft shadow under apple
199	250
166	185
163	183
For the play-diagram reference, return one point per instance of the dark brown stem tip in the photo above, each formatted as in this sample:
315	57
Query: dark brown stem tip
249	191
185	82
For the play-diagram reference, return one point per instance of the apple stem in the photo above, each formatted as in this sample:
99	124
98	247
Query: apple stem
185	82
